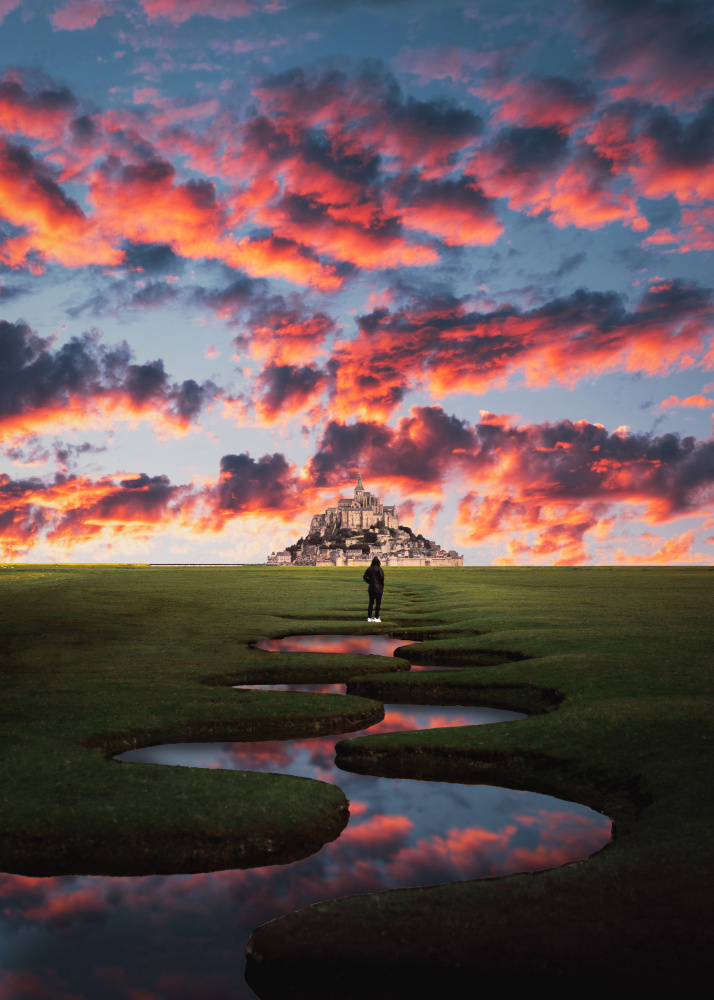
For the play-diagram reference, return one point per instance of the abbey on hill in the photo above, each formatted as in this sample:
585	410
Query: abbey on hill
358	529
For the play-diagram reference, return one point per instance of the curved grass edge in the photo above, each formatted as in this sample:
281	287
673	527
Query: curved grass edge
266	819
625	740
91	815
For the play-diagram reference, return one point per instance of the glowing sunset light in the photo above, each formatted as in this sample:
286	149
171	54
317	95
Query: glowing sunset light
244	252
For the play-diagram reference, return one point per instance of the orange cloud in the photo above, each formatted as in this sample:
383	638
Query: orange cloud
296	219
674	550
696	232
441	345
457	212
535	170
698	400
542	488
73	509
84	385
56	229
45	114
551	100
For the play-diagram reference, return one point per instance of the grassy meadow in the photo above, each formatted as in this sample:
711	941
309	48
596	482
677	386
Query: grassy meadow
613	665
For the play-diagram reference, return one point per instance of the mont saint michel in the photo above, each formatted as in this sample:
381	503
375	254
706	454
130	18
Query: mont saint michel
357	529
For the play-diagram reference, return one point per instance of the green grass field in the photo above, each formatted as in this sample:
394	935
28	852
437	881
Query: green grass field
613	664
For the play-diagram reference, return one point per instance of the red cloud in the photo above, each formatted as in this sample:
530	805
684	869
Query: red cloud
698	400
6	6
554	481
369	248
44	114
268	486
548	484
78	14
144	204
378	834
535	169
74	509
367	115
55	226
674	550
282	332
275	257
658	153
85	385
551	100
696	232
456	211
442	345
662	51
285	390
181	10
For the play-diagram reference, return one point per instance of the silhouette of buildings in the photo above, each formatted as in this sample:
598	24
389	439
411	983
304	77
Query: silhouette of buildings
358	529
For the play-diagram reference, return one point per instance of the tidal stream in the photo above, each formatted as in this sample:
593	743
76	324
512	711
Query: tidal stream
182	936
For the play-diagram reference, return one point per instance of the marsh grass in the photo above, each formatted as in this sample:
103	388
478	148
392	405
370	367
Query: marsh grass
613	665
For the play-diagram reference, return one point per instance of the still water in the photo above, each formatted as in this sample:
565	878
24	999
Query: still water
376	645
181	937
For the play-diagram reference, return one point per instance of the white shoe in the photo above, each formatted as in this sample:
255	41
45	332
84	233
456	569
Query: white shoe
370	619
377	620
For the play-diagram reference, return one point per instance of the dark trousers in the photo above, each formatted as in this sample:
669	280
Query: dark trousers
375	600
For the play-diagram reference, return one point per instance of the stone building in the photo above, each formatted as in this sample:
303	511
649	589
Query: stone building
362	510
358	529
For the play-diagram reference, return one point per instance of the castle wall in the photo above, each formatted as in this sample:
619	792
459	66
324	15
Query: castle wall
364	511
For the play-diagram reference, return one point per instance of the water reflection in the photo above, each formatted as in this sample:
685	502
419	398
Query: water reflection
431	667
377	645
181	937
313	757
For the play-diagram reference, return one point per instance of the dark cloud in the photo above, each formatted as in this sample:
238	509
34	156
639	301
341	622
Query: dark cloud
155	294
440	342
673	42
569	264
66	455
153	258
420	449
18	163
534	464
688	144
6	294
249	485
71	509
237	295
284	389
37	100
530	150
36	380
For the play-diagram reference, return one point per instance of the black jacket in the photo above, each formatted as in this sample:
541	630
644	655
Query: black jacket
374	577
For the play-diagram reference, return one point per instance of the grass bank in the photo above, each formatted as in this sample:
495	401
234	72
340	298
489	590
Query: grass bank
98	660
615	666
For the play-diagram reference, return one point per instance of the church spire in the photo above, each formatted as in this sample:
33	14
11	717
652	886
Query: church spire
359	479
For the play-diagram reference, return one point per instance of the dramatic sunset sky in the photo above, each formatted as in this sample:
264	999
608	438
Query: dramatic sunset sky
249	245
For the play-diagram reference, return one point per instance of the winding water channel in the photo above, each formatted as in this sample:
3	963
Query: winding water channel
183	935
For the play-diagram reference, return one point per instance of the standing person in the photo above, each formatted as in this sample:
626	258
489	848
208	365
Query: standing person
374	578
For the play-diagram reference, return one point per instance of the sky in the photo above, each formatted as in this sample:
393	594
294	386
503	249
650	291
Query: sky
247	247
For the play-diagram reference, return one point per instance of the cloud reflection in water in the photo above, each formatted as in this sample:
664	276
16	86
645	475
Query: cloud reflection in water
181	937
